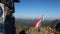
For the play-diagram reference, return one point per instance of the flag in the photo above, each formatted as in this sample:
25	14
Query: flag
38	22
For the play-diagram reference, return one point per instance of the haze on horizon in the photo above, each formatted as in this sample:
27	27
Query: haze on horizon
36	8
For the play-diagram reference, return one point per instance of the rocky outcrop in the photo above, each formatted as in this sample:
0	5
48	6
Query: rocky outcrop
43	30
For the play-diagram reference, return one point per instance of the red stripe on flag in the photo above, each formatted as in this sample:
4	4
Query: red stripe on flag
37	22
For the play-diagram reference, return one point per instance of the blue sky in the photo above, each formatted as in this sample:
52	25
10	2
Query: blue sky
36	8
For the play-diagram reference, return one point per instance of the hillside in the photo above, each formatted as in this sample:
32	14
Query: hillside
48	28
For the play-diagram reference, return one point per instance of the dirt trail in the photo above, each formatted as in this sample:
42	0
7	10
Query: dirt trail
18	29
43	30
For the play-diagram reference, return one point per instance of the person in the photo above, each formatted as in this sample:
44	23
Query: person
1	12
10	24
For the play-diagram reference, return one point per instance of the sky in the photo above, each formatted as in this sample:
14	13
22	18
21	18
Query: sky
37	8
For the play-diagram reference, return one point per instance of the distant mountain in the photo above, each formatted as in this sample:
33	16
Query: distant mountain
54	24
25	22
30	22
